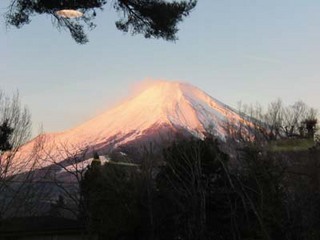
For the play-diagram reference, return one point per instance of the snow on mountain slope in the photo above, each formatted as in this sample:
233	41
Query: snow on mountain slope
172	105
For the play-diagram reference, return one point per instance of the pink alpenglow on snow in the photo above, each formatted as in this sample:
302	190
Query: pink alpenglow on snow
175	105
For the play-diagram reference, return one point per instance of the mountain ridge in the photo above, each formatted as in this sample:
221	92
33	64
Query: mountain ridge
163	107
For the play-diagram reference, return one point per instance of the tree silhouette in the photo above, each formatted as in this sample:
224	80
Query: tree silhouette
111	196
5	134
193	187
152	18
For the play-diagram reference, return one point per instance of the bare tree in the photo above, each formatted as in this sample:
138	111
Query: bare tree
278	121
16	117
189	178
62	168
16	173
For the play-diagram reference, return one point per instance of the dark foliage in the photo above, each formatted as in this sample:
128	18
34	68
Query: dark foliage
193	187
196	194
5	134
260	183
310	125
152	18
110	200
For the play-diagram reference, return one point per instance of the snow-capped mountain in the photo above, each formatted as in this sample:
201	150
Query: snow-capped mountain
158	111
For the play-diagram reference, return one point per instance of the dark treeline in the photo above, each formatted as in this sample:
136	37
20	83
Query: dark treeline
254	185
198	194
261	182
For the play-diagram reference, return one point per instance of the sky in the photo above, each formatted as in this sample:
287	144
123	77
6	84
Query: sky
253	51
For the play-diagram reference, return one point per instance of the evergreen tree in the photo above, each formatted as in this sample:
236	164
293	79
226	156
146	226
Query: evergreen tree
5	134
310	125
152	18
111	200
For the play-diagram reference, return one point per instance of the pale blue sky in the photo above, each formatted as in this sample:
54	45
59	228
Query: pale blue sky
248	50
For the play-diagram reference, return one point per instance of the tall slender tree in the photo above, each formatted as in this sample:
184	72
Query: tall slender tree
5	134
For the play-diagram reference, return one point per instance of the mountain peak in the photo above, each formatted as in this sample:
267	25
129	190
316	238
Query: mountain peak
176	104
167	94
162	91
